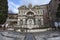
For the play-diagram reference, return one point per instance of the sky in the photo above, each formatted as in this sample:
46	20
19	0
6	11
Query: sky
14	4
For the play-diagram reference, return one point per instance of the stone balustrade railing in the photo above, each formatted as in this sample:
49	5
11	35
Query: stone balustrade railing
27	26
11	19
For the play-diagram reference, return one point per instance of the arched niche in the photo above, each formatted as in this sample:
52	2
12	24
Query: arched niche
30	22
30	13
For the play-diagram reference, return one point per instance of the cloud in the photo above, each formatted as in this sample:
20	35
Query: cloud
34	2
13	7
14	4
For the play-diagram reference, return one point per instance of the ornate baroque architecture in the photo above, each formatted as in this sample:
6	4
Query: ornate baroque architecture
31	16
35	17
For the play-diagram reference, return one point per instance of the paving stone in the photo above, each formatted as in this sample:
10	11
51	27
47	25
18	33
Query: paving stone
55	38
11	35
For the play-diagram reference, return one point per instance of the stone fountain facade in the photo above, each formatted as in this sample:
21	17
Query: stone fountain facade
29	17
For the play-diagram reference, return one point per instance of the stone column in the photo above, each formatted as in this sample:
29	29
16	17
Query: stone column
18	23
42	22
39	21
23	21
36	21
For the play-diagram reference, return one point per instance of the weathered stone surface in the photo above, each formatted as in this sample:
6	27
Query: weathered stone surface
48	35
56	38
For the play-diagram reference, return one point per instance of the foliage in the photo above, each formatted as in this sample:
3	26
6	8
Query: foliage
58	12
3	11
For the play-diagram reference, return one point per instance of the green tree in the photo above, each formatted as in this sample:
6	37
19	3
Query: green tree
3	11
58	11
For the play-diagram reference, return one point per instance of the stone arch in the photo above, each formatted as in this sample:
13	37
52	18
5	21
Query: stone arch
30	11
30	22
